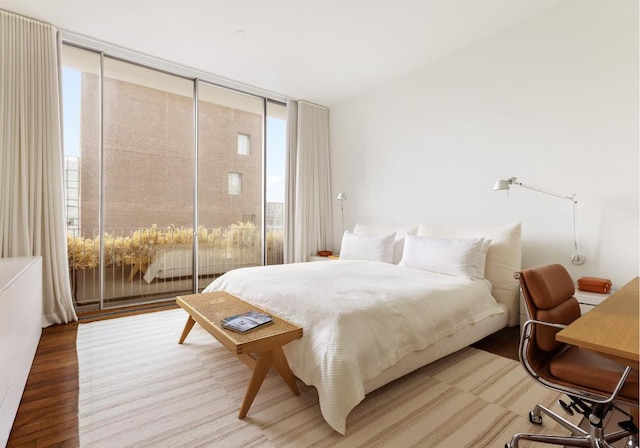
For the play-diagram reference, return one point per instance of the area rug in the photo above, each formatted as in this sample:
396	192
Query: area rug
139	388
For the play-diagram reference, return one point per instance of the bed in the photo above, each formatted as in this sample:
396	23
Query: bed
367	323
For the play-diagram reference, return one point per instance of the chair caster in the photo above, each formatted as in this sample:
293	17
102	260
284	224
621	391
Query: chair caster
535	419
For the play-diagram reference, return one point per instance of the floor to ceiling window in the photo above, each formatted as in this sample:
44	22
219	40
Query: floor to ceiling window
134	147
230	180
275	181
81	116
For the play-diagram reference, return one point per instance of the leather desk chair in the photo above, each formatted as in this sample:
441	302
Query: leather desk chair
594	384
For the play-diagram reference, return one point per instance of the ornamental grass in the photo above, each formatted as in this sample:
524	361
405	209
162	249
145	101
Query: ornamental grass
142	245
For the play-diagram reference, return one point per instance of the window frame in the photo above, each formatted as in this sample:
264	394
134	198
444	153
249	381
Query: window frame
234	188
242	148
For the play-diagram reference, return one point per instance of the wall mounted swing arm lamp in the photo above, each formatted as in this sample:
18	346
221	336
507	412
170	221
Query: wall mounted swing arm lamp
505	184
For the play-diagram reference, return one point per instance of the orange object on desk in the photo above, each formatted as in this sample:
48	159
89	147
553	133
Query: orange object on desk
594	284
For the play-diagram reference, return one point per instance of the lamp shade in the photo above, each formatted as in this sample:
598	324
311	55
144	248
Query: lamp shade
501	185
341	197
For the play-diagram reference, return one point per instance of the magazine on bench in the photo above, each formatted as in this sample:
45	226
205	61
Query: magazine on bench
246	321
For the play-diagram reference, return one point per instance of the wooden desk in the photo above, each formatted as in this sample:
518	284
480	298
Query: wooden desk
611	328
266	342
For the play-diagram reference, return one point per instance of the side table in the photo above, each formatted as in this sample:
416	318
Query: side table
589	300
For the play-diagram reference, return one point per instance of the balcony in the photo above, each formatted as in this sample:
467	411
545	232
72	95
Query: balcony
148	264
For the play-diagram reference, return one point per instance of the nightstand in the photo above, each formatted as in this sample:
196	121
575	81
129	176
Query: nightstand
319	258
588	300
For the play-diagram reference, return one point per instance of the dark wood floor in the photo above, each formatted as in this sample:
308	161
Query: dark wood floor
48	412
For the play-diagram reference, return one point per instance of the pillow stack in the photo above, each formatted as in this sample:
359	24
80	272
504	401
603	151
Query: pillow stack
398	243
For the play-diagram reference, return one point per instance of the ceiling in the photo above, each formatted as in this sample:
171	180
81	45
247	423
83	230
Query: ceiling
324	51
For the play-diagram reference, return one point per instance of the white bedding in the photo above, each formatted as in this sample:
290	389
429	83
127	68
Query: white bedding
359	318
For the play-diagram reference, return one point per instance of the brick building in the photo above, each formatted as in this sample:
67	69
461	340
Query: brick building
148	159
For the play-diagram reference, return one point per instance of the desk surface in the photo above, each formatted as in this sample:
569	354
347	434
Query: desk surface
611	328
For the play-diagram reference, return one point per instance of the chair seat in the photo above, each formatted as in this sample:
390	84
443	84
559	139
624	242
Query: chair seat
593	372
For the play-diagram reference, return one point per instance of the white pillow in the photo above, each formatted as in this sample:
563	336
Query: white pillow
400	232
459	257
367	247
503	258
482	262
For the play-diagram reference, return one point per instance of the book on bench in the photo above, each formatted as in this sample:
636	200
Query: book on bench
246	321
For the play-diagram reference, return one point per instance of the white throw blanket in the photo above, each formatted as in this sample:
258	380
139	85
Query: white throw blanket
358	318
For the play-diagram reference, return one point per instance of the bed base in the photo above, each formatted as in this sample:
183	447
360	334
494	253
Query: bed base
450	344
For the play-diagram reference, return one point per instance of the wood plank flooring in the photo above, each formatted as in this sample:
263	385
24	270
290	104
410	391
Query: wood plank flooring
48	412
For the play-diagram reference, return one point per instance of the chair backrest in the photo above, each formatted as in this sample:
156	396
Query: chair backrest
548	294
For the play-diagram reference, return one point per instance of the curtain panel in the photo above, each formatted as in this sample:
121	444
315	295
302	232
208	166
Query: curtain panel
308	210
291	162
32	209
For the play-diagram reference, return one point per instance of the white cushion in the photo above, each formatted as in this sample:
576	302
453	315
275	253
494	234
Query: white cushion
367	247
458	257
482	261
400	232
504	257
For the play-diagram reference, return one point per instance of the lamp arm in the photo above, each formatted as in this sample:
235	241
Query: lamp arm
549	192
577	257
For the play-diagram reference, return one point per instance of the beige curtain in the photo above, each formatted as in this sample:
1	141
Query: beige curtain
32	213
309	219
290	185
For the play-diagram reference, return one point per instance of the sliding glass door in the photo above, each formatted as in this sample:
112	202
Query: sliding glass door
81	117
147	148
230	179
138	142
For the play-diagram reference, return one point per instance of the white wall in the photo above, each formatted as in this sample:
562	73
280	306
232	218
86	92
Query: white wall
553	101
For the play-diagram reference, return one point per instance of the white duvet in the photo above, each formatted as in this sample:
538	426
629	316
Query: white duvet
358	318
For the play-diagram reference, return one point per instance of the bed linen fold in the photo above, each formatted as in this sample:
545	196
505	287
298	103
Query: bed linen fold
359	318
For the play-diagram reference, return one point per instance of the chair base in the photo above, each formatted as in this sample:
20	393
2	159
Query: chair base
595	438
632	442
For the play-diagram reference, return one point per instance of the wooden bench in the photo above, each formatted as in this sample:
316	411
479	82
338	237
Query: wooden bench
265	342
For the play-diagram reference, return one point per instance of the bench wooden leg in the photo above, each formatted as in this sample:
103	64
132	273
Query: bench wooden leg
259	373
187	328
282	366
135	268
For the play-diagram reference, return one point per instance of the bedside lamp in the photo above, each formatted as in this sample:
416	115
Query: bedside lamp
505	184
342	197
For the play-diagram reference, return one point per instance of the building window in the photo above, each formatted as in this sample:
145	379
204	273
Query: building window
235	183
244	144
